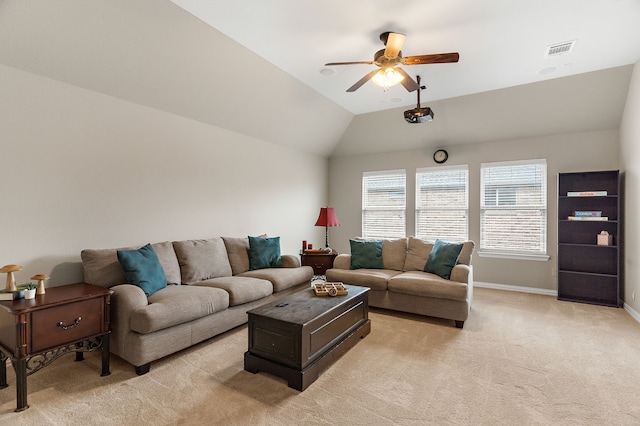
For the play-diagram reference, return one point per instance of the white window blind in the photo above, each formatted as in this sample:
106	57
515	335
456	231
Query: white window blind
442	203
513	211
384	204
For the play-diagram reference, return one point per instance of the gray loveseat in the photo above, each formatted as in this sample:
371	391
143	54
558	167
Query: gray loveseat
402	285
210	287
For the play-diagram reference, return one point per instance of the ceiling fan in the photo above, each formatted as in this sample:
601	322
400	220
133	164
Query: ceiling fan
386	59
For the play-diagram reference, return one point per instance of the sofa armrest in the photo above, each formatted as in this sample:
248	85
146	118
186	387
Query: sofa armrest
126	298
461	273
290	261
342	261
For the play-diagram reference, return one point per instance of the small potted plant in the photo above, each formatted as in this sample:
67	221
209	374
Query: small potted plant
29	291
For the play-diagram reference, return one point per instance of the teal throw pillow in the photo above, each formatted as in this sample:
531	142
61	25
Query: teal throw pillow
366	254
264	253
443	258
142	268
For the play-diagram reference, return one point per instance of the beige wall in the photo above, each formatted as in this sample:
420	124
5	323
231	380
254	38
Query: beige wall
596	150
79	169
630	164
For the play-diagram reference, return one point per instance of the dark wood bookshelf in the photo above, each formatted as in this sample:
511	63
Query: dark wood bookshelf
588	272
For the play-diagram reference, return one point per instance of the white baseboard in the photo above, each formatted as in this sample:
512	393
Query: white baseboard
521	289
634	314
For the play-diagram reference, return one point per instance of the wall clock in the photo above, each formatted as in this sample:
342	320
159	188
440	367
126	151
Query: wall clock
440	156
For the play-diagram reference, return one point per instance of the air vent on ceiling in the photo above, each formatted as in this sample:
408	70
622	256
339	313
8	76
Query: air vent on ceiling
560	48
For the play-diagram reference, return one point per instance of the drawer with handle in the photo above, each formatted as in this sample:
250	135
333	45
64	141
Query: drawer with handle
65	324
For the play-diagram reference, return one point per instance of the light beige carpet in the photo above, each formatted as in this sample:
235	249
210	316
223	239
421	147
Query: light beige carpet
521	359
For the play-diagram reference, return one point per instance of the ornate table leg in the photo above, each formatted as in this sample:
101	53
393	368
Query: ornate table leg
3	370
21	384
105	355
79	354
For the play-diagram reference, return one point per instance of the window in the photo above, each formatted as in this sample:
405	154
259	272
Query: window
442	206
384	204
513	210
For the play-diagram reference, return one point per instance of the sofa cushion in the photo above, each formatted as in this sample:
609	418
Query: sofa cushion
375	279
443	258
202	259
101	266
167	256
142	268
366	254
283	278
177	304
264	253
238	253
425	284
394	253
241	289
465	254
417	254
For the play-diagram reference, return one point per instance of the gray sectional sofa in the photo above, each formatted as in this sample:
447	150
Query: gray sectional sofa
209	288
400	283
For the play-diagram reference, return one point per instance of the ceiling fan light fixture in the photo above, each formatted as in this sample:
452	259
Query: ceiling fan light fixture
387	77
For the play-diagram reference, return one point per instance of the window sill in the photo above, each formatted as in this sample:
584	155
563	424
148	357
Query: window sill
515	256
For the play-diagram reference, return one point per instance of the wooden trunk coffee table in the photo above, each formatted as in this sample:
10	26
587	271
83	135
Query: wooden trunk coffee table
299	336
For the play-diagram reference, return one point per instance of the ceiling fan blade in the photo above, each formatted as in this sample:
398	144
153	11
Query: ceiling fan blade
407	81
362	81
394	44
348	63
438	58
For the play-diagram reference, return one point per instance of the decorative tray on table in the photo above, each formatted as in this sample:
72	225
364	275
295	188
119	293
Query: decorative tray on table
330	289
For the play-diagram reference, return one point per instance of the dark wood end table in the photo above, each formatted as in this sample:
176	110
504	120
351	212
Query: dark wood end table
319	261
35	332
302	334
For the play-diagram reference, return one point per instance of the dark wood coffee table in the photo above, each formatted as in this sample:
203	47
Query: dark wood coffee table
299	336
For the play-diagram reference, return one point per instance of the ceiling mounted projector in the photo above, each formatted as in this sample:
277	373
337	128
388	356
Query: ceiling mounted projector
417	114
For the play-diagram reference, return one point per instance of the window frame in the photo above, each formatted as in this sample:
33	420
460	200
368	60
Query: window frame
366	230
419	208
506	252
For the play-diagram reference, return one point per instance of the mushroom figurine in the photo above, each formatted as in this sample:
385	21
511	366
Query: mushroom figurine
11	280
40	278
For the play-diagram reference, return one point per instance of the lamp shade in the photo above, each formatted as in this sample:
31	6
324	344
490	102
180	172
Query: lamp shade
327	217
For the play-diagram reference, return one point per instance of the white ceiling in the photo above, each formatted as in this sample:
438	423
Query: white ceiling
502	43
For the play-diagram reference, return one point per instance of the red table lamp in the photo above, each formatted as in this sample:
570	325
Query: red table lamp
327	218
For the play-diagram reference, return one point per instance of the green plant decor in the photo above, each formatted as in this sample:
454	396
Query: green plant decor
27	286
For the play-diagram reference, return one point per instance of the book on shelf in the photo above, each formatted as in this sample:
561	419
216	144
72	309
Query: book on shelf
587	218
586	193
587	213
11	295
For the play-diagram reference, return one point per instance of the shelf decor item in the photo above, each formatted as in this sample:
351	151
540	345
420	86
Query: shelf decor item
29	291
11	280
40	278
327	218
605	239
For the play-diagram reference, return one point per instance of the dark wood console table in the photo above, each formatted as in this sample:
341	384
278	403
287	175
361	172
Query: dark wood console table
35	332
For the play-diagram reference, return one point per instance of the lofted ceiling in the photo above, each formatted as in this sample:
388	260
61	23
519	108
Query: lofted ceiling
502	43
256	67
